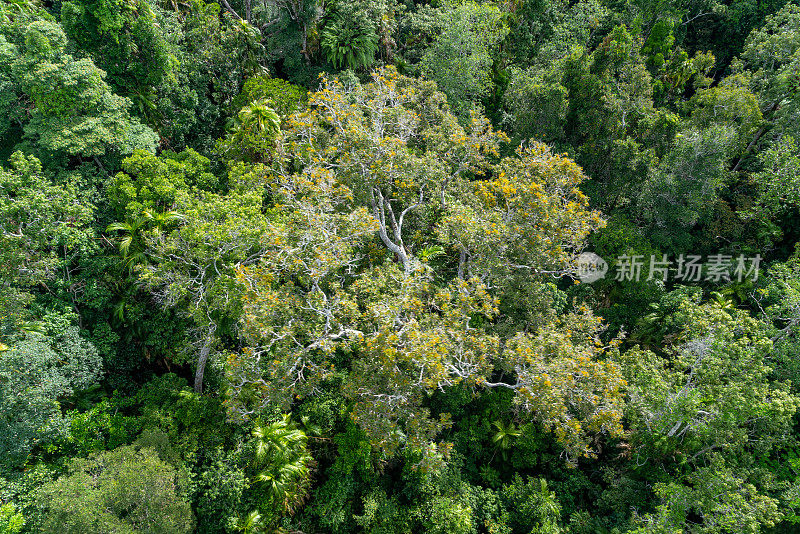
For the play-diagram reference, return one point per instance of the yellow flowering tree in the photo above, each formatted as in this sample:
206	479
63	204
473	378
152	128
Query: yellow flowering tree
528	216
387	166
393	143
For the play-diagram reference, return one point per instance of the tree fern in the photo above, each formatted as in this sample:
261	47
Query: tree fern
349	39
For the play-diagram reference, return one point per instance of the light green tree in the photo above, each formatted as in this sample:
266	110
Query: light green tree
770	61
11	522
194	262
62	104
710	391
126	490
465	39
712	500
35	374
254	133
44	228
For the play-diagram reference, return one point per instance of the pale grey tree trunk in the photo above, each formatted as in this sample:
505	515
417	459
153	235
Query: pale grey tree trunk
462	261
202	359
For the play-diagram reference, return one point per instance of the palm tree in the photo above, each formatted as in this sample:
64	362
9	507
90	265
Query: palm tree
259	119
505	436
722	299
253	130
132	245
281	464
144	100
249	48
252	522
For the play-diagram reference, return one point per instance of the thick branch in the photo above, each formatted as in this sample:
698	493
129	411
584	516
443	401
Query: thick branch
761	131
230	9
379	213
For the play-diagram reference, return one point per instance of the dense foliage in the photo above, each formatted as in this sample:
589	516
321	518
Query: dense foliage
306	266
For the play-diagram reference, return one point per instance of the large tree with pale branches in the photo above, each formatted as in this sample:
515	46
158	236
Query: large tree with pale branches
397	230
